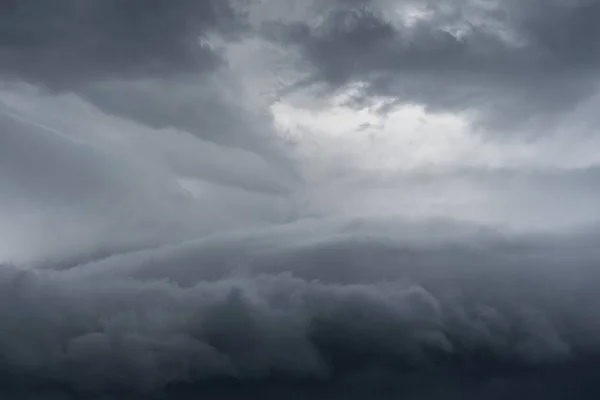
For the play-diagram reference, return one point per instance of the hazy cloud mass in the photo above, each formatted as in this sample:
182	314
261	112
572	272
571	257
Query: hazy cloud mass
335	199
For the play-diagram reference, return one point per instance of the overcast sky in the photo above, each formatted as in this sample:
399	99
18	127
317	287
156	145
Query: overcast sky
339	148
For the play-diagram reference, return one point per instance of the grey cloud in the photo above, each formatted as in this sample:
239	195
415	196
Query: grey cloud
202	105
74	184
142	60
391	320
513	60
66	42
522	197
155	243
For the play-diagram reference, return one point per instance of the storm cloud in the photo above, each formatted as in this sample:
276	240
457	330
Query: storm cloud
290	199
68	42
507	60
274	313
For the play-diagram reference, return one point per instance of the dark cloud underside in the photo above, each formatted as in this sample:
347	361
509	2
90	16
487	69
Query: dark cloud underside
64	42
512	58
507	61
480	317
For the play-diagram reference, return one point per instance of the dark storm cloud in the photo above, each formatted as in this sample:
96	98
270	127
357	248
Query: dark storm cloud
511	58
333	309
172	259
64	42
514	58
132	58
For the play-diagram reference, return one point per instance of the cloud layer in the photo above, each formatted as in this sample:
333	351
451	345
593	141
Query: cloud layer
361	307
283	199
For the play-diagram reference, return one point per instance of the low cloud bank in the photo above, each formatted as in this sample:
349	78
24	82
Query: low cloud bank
356	308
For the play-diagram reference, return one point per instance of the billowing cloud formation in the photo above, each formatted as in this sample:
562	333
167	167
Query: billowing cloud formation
357	309
293	199
497	57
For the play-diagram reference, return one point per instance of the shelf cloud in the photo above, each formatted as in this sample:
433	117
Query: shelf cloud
290	199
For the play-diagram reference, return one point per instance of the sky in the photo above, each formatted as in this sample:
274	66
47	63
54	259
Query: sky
271	198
